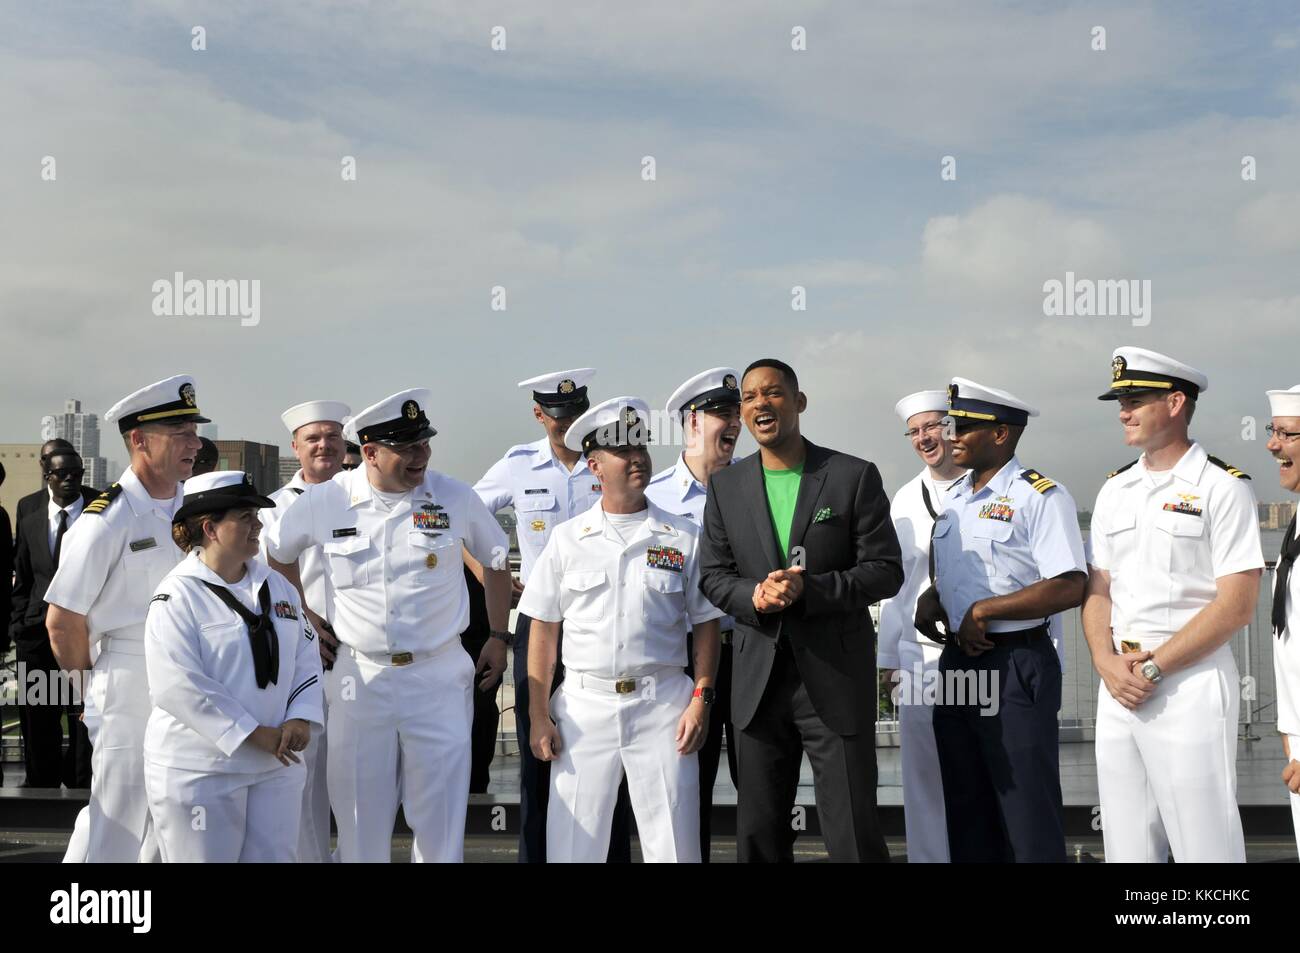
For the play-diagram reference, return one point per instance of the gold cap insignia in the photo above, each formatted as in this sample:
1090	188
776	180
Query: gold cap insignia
187	394
411	410
1117	368
567	386
729	382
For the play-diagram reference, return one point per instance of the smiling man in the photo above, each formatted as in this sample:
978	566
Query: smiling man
904	654
708	406
1284	444
1008	557
797	544
393	532
623	578
111	561
1173	574
316	438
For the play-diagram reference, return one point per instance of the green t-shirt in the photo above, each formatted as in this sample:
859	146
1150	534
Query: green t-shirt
782	491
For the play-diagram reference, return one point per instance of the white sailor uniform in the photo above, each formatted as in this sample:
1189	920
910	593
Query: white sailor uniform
213	797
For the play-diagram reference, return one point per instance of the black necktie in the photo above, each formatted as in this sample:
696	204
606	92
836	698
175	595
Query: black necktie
261	631
58	537
1290	550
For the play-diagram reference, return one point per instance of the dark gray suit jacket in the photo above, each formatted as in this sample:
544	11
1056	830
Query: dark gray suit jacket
33	570
851	559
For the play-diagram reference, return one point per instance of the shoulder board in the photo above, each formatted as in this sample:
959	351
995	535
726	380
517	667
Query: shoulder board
1035	479
1121	469
1232	471
101	502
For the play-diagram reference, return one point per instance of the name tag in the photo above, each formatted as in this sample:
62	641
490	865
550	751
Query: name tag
340	533
665	557
531	491
139	545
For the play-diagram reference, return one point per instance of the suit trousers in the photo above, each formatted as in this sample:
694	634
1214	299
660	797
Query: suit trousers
770	756
711	753
1001	773
48	764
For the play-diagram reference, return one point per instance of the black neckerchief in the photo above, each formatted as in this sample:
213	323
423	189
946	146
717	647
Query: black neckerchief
261	631
1290	550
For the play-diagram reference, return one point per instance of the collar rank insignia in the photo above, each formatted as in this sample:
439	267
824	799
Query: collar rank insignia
430	519
1182	506
996	511
284	610
665	557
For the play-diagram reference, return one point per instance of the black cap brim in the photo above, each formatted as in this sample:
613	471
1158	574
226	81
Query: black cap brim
220	504
424	433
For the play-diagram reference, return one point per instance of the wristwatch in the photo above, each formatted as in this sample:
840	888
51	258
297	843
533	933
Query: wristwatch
1151	671
706	695
507	637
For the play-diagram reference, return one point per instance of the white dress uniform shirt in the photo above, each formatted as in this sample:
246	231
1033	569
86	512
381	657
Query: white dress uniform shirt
543	492
311	565
112	561
912	522
675	490
201	674
1166	536
626	598
1286	665
73	510
1002	539
397	575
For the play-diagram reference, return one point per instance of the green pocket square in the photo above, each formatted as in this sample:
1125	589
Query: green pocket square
823	515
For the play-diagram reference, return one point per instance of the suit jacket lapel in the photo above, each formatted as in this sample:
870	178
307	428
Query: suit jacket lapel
756	502
810	488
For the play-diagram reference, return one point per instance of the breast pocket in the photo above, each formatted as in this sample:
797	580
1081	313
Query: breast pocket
347	560
435	556
584	595
146	568
223	646
1182	537
989	538
535	515
662	602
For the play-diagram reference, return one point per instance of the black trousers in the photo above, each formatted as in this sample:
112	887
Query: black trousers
48	764
771	753
535	776
483	733
711	754
1001	772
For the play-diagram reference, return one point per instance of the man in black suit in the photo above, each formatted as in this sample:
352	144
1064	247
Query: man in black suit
40	542
39	499
6	580
797	544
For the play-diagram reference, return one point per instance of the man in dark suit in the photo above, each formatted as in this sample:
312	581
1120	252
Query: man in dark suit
6	579
797	544
40	542
39	499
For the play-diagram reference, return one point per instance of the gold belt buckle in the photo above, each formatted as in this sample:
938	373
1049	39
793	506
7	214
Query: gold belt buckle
403	658
625	686
1129	646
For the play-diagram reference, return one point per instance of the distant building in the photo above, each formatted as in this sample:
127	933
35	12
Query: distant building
288	467
82	431
1276	515
22	463
259	460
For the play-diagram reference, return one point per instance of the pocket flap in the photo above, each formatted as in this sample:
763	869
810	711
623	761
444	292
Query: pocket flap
537	501
583	580
1176	524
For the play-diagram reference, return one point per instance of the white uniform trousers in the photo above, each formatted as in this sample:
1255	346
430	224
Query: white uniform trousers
225	817
604	735
400	734
314	829
1167	772
923	811
118	706
1294	741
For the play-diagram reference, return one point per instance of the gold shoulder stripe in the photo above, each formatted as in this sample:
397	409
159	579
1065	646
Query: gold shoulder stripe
102	502
1228	467
1121	469
1035	479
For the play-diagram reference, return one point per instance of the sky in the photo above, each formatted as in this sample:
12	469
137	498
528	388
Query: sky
523	169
